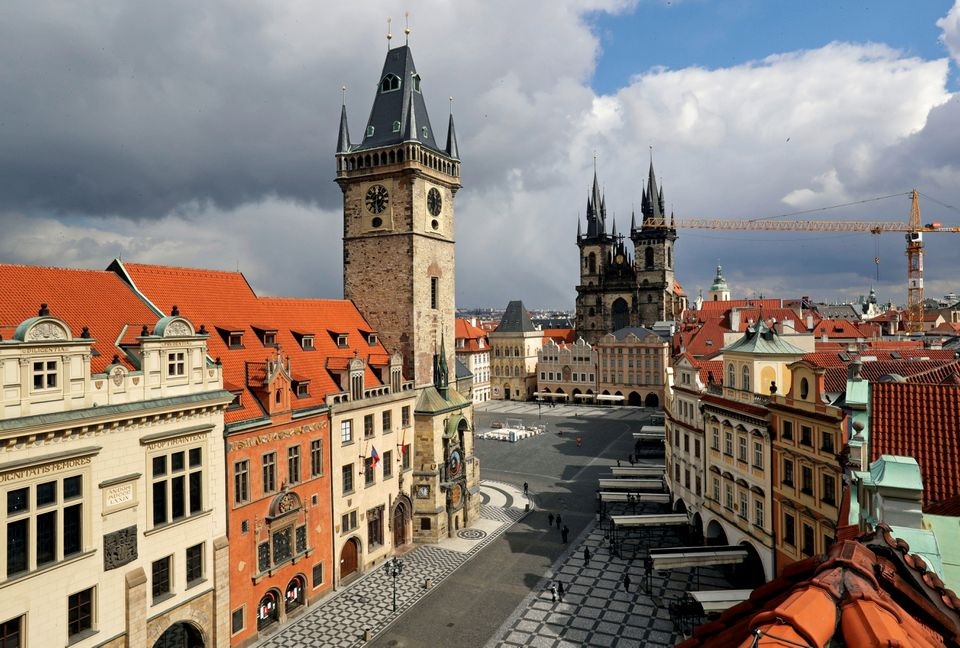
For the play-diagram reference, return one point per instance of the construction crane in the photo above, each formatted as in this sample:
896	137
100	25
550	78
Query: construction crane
913	229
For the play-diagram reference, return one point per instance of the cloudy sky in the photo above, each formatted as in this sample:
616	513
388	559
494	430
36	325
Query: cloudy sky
203	133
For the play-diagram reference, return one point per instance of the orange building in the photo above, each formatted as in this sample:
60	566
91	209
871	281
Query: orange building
278	442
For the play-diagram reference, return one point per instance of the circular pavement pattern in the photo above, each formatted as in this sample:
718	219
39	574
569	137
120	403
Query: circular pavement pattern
471	534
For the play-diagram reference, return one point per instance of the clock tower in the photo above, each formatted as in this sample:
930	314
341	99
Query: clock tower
399	185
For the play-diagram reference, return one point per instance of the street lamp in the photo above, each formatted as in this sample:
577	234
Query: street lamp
394	569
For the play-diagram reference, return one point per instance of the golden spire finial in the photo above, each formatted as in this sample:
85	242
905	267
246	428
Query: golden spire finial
389	35
343	95
595	155
451	105
406	28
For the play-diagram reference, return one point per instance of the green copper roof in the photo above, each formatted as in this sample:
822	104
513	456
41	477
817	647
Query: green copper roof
719	283
762	340
947	530
432	401
922	542
895	471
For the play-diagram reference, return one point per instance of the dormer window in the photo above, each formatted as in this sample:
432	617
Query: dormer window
237	402
307	343
372	339
302	389
370	130
266	334
425	132
396	127
269	339
342	340
45	375
391	82
416	82
176	363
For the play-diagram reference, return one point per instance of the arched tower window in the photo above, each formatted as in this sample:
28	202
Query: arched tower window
621	314
648	257
669	257
746	378
592	263
731	376
389	83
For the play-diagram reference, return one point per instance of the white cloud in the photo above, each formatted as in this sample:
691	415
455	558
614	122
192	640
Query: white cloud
950	24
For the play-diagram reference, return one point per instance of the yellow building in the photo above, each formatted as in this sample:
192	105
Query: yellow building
514	345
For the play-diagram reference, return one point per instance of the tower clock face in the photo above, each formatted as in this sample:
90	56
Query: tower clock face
377	199
455	463
434	202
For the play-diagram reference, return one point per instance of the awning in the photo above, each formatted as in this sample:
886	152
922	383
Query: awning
609	397
666	519
716	601
674	557
550	395
630	484
639	473
584	396
643	498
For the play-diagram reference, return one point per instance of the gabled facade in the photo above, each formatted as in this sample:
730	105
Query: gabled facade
809	496
567	372
515	344
473	350
113	531
632	367
685	446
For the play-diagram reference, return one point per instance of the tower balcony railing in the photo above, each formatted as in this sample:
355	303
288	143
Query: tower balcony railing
739	395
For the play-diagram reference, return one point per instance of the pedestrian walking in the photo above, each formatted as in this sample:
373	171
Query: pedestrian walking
526	487
553	592
626	582
586	555
550	520
560	591
564	532
618	463
631	459
558	520
579	440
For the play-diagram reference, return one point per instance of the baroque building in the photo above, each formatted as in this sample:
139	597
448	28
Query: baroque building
621	288
399	185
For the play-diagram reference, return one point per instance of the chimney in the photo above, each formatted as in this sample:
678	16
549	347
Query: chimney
734	320
810	321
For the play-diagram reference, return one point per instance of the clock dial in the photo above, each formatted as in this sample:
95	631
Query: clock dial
619	259
434	202
423	491
455	463
377	198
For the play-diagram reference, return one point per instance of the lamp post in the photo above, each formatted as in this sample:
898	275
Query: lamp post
394	569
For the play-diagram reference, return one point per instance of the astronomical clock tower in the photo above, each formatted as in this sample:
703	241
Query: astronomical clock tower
398	188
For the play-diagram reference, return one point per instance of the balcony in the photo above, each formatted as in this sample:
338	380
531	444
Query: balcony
739	395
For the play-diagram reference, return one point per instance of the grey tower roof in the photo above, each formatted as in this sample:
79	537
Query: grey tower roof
343	141
452	149
639	331
596	211
516	319
398	99
652	201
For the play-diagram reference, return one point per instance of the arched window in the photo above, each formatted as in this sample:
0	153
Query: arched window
592	263
648	257
621	315
804	388
731	376
516	371
669	257
746	378
389	83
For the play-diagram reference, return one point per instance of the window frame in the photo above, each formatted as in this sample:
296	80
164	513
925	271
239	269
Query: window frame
88	610
192	475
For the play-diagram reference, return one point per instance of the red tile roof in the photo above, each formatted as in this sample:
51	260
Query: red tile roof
705	340
226	299
469	337
560	336
919	421
93	298
865	592
837	328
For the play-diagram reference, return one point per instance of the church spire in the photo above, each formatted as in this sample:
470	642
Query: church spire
410	132
596	210
452	149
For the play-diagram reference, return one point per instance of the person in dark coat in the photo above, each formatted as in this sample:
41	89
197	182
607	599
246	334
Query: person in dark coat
626	582
564	532
558	520
586	555
560	591
550	520
553	592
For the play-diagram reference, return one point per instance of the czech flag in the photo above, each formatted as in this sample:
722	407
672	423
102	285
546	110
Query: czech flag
375	456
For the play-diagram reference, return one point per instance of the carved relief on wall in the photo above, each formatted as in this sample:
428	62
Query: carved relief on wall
119	548
47	331
178	328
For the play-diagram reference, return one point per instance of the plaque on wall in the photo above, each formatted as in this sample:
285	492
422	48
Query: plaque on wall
119	548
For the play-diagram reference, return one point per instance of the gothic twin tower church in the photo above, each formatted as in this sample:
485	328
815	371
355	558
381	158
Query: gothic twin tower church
619	288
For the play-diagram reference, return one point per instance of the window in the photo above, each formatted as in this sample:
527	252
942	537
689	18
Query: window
306	343
676	472
45	374
829	493
696	448
743	505
787	430
369	474
79	613
728	443
375	527
788	472
731	376
789	529
742	448
757	454
389	83
177	481
282	545
241	482
368	426
342	340
347	476
715	444
387	464
346	431
348	521
235	340
40	507
686	443
370	130
176	364
293	465
385	422
806	480
698	485
11	633
269	338
758	513
716	489
686	478
303	390
806	435
194	564
729	497
236	620
676	437
269	472
316	457
804	388
160	578
746	378
318	574
807	540
396	126
406	457
826	444
434	292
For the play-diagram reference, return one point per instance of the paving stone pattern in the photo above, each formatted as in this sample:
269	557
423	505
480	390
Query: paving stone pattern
367	603
596	610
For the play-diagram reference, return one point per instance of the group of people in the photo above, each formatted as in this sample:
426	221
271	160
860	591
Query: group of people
564	530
